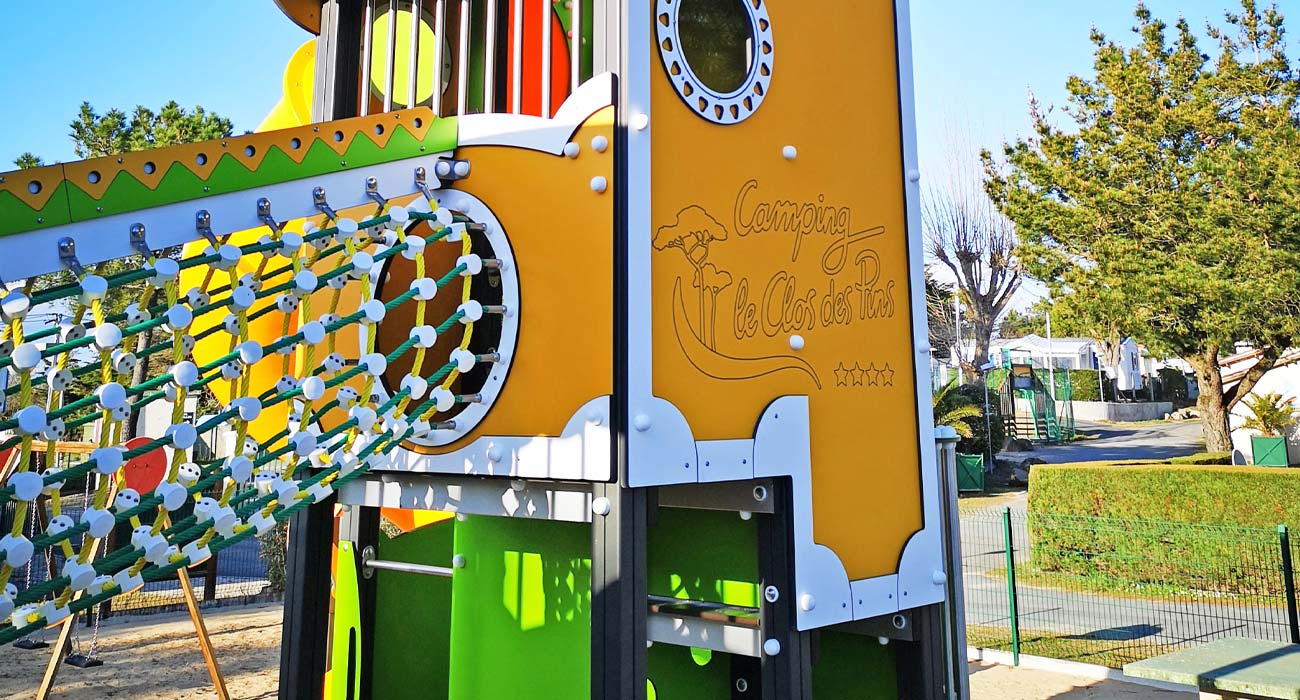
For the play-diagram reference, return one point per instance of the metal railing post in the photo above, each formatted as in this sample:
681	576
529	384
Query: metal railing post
1288	579
954	606
1011	585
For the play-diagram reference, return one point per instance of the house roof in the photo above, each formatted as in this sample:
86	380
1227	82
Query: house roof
1038	344
1235	367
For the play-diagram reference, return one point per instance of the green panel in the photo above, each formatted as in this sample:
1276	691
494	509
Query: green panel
521	610
345	647
126	193
410	607
16	216
1268	451
703	555
853	667
674	675
970	472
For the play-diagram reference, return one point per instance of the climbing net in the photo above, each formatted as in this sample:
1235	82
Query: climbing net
294	274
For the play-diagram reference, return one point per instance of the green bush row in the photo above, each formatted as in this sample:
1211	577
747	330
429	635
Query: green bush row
1187	527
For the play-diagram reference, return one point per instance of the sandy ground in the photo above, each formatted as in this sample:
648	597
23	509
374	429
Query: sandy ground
992	682
157	658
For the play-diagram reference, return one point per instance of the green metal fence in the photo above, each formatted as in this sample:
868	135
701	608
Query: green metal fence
1110	591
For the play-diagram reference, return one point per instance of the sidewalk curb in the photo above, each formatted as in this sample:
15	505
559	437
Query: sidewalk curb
1073	668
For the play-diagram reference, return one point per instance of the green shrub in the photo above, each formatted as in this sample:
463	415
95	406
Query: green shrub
273	548
1194	528
1083	382
978	442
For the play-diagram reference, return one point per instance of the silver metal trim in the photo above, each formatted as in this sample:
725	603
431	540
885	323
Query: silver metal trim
546	59
462	56
367	50
703	100
369	564
390	56
517	60
490	59
439	41
413	56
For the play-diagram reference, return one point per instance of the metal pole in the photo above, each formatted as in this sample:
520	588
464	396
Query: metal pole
1011	586
1101	385
1288	578
1051	363
955	606
988	422
405	568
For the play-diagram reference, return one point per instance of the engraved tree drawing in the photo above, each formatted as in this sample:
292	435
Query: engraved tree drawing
694	231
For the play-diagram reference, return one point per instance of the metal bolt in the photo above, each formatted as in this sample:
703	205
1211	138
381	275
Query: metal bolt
760	493
771	594
742	685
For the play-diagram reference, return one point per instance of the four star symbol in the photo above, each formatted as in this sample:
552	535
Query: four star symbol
857	375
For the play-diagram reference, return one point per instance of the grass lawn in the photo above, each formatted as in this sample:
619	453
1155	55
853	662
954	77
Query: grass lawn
1101	585
1054	646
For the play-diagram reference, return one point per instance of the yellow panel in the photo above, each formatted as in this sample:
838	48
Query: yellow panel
752	249
562	236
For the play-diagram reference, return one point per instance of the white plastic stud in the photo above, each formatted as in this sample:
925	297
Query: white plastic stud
789	153
472	311
640	121
772	647
14	306
173	495
27	486
473	264
304	283
443	399
107	459
184	374
111	395
313	333
572	149
361	263
796	342
376	363
241	468
196	554
415	386
599	144
249	407
313	388
93	287
373	311
182	435
463	359
26	357
807	602
31	420
641	422
424	336
600	506
599	184
98	522
107	336
164	271
425	288
127	583
179	317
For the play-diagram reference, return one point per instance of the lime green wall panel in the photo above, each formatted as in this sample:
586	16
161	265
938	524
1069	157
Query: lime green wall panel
521	610
413	618
853	667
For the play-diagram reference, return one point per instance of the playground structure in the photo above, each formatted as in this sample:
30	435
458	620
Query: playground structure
604	304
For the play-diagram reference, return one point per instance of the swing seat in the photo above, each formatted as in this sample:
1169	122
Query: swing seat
82	660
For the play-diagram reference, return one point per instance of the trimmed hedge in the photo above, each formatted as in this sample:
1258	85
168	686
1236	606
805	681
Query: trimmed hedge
1236	496
1185	527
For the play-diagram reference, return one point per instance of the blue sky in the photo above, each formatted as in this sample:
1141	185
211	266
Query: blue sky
228	56
974	61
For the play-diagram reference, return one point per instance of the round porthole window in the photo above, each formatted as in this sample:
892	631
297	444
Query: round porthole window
718	55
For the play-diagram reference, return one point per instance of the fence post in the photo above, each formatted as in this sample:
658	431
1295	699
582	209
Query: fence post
1288	579
1011	585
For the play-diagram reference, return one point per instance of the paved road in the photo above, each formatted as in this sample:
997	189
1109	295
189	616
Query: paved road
1094	616
1117	441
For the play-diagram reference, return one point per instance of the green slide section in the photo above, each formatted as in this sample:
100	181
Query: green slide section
413	617
345	647
521	610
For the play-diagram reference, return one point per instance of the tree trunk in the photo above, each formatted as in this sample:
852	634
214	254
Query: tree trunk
1211	402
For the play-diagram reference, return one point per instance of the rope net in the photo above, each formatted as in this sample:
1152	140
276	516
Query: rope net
346	410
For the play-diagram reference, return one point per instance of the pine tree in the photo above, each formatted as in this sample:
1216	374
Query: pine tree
1172	198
